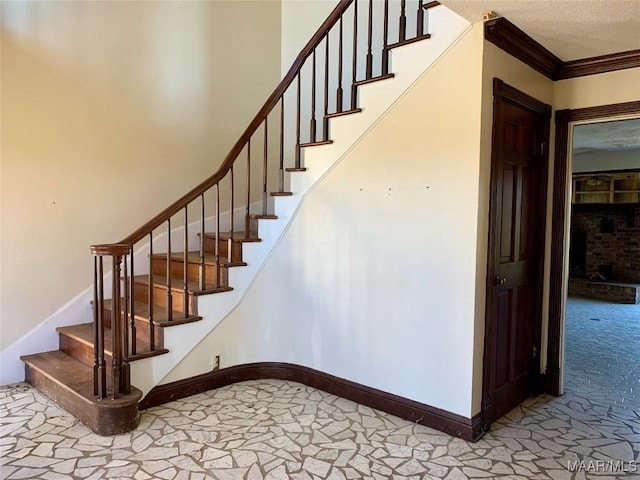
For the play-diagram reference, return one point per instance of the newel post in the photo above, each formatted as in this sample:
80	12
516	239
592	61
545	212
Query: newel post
120	371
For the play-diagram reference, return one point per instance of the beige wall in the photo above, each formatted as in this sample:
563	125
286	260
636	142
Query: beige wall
300	20
603	89
110	111
374	279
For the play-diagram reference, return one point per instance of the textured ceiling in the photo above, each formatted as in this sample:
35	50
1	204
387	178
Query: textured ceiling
571	29
610	136
574	29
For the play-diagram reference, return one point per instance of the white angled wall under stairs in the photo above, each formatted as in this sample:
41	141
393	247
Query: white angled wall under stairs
285	303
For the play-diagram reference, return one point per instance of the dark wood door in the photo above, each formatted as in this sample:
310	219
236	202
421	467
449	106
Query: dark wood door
516	248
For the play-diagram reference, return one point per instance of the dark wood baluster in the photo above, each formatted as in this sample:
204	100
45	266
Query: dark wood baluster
354	67
297	154
420	19
325	121
217	247
312	125
201	263
116	340
169	293
370	41
339	91
102	367
247	217
385	39
281	166
265	158
231	217
124	319
134	332
125	375
402	34
99	372
150	294
95	325
125	369
185	272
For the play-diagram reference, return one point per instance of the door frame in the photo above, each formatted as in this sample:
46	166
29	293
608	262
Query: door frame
559	230
503	92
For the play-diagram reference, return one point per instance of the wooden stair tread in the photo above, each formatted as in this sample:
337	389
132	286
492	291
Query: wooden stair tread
83	333
235	236
160	318
343	113
402	43
69	383
194	257
316	144
64	369
177	284
374	79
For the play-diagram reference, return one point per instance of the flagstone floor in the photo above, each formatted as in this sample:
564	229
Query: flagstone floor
282	430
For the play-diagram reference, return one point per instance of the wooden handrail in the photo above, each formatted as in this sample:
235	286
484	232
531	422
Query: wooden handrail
205	271
114	249
257	121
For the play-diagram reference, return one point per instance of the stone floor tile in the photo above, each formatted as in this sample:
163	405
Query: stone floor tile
283	430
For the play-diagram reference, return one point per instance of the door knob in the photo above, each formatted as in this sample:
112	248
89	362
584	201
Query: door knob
500	280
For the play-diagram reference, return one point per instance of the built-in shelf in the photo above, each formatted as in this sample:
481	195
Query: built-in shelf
606	188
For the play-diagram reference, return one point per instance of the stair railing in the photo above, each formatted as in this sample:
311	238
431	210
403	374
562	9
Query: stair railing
350	48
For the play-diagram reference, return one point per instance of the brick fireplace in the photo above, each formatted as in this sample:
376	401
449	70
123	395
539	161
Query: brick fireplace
604	260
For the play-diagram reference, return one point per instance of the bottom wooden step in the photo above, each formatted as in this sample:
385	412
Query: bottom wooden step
69	383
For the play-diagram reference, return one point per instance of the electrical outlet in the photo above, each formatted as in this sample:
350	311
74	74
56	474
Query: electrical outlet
215	362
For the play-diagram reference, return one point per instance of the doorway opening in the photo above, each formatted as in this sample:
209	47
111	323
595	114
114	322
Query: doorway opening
583	262
602	314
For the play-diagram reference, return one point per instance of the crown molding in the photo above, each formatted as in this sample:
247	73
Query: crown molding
506	36
600	64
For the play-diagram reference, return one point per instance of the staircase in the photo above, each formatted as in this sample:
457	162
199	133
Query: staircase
153	281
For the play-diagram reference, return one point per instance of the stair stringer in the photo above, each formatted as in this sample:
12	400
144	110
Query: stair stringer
409	64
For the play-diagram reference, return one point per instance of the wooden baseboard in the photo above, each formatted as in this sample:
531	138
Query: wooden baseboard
470	429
